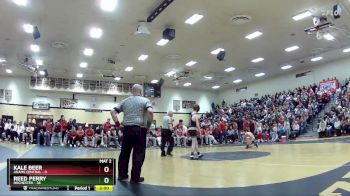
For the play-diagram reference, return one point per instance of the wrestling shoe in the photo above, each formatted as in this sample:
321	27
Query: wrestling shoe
192	156
256	145
200	155
163	154
170	154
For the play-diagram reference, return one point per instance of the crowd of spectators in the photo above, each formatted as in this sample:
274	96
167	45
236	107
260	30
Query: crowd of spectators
271	118
62	132
336	121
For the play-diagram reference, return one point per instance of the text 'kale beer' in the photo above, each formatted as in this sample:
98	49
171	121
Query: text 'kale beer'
27	167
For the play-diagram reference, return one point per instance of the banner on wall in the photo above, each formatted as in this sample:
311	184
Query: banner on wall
329	86
68	103
2	95
188	104
176	105
41	105
5	95
8	95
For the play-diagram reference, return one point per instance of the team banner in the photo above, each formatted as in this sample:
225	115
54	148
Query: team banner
41	106
68	103
188	104
329	86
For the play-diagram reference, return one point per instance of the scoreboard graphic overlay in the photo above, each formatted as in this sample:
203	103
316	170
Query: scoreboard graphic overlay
61	174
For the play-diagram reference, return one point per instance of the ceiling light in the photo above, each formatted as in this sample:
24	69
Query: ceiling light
79	75
215	87
254	35
9	71
117	78
346	50
96	33
35	48
154	81
237	81
292	48
193	19
259	75
328	37
208	77
129	68
316	59
257	60
162	42
83	64
170	73
108	5
2	60
302	15
286	67
20	2
230	69
88	52
39	62
191	63
143	57
28	28
216	51
187	84
42	73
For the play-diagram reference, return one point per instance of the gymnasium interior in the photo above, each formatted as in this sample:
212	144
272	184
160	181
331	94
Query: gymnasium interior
275	68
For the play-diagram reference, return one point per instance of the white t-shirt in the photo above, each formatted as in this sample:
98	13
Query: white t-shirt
337	124
7	126
21	129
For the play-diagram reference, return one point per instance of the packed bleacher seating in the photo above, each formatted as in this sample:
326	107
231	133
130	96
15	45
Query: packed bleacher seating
271	118
336	121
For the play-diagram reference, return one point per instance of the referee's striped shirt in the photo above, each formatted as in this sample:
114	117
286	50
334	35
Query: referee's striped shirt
134	108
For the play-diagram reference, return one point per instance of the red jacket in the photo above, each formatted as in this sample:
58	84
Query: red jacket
64	125
222	127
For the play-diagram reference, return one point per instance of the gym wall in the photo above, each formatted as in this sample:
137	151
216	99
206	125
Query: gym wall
23	97
20	114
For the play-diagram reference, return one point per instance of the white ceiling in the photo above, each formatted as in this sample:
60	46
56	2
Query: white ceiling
69	22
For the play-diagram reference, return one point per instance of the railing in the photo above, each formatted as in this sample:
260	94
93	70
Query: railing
80	86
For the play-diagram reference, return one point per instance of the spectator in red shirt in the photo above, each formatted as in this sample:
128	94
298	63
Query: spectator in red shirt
80	136
57	133
89	137
64	129
209	138
107	127
246	125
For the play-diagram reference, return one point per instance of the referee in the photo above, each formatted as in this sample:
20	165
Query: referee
136	108
167	134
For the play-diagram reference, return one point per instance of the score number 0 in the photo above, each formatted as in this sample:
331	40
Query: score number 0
106	170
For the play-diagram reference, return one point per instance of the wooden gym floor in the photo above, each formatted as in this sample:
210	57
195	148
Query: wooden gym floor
320	167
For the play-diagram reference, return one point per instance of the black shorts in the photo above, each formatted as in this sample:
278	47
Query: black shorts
193	132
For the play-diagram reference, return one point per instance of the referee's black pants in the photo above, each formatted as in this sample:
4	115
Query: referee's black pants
134	137
167	137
